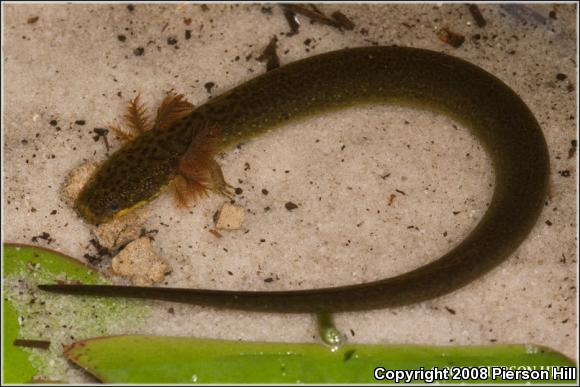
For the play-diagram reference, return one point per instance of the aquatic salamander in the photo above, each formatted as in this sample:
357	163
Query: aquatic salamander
407	76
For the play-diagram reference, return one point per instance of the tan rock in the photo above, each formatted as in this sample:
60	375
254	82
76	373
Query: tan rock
140	263
76	180
118	232
230	217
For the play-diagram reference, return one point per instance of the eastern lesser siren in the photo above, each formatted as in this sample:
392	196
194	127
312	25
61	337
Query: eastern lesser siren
495	113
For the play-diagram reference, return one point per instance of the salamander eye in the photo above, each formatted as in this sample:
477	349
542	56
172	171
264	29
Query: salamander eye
114	206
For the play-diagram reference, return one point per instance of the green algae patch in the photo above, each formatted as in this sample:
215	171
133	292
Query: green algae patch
155	359
16	367
32	316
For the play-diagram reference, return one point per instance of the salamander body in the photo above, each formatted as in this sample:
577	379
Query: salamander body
396	75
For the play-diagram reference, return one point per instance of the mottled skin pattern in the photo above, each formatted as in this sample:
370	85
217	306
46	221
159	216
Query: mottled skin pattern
134	174
495	114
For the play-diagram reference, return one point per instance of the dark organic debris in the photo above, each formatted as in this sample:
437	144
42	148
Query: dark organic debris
292	22
139	51
349	354
45	236
270	56
572	150
477	16
452	38
148	233
290	206
523	13
101	250
101	132
32	20
215	233
209	86
342	21
92	259
452	311
337	19
40	344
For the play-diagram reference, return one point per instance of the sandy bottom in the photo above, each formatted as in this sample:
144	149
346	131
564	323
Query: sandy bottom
380	189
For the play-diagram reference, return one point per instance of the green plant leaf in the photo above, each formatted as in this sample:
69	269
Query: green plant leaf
151	359
16	368
24	258
35	315
154	359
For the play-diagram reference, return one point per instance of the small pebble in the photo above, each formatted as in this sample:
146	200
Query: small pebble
230	217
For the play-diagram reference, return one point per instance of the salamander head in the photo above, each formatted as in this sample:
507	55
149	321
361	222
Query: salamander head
120	185
99	203
98	209
94	209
